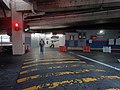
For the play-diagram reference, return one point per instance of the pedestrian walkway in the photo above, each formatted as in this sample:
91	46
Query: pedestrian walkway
56	70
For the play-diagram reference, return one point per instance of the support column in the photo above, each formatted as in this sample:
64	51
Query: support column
18	37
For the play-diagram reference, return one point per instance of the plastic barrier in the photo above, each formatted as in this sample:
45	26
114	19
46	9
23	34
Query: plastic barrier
62	48
86	48
106	49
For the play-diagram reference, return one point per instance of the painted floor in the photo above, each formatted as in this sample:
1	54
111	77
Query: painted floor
9	69
56	70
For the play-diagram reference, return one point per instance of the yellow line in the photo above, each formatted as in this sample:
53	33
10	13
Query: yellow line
32	88
56	67
27	78
55	57
111	77
89	79
57	74
50	60
70	82
24	72
27	66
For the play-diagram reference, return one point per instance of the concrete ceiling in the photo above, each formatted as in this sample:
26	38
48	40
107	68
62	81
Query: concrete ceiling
58	8
62	7
3	5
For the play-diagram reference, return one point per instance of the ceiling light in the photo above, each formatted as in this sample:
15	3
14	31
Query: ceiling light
101	32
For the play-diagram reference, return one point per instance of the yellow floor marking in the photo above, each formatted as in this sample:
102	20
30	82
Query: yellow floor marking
27	66
63	73
89	79
98	70
34	77
55	84
54	74
27	78
52	85
111	77
57	67
51	60
32	88
22	80
24	72
70	82
113	89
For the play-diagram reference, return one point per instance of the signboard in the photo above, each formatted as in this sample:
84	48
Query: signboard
90	40
111	41
118	41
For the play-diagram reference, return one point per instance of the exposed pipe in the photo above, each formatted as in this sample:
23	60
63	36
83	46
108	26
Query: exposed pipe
32	8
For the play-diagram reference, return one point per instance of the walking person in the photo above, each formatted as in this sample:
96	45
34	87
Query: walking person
52	44
42	43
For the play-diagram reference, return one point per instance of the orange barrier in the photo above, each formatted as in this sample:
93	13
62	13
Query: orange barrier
86	48
62	48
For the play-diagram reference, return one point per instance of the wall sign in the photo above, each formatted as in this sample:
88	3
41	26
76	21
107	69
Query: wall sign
111	41
118	41
71	37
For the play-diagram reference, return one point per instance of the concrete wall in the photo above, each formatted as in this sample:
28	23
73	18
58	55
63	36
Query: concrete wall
108	34
67	36
99	42
35	37
28	40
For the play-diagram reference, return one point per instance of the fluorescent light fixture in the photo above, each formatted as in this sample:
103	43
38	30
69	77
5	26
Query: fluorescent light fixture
60	35
48	27
101	32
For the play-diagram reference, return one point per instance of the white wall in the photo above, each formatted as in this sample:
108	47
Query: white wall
35	38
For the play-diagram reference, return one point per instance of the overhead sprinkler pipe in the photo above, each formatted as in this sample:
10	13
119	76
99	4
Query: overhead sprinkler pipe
32	8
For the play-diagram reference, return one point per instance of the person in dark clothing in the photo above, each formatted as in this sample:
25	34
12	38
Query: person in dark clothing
42	43
52	44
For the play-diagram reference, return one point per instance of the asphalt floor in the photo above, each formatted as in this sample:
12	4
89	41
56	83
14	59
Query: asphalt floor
10	67
56	70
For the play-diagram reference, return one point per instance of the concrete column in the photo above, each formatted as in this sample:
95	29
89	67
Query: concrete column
18	37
